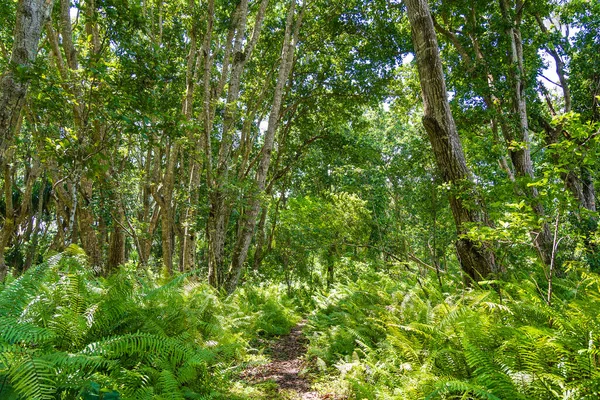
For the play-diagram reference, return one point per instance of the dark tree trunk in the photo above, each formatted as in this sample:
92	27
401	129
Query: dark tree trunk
116	246
476	259
33	246
9	220
521	155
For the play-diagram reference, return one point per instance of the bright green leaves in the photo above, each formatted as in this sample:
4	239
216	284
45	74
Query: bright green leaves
32	378
65	333
315	226
391	339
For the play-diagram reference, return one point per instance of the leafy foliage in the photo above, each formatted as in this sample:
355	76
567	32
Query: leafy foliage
390	339
65	333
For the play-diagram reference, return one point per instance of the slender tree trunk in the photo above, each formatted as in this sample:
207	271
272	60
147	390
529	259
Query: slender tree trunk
219	196
476	259
218	177
240	252
330	261
260	239
86	222
216	228
30	19
25	213
15	214
187	260
116	246
150	212
33	246
9	219
165	198
520	142
577	181
588	199
560	67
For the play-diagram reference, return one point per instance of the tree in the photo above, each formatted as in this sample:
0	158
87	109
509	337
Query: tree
30	19
319	229
476	259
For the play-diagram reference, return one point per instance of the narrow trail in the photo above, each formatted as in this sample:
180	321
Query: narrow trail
285	367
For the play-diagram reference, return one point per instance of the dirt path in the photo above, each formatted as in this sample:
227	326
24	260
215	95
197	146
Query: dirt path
285	366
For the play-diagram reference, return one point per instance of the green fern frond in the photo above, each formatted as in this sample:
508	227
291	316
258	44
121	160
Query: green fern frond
140	344
32	378
461	387
12	330
169	386
15	297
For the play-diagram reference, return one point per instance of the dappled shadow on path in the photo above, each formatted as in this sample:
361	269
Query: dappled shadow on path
286	366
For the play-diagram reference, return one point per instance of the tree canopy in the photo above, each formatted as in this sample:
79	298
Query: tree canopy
439	148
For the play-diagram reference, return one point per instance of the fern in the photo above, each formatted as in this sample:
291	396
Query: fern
65	334
465	344
462	388
32	377
12	331
15	297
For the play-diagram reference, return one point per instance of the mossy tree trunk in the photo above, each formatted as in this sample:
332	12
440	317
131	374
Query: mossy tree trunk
476	259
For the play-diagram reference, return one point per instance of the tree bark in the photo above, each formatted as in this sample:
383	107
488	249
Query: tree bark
116	246
9	219
86	226
164	197
33	245
30	19
476	259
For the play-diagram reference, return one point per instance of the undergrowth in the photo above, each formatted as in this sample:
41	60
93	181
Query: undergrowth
390	338
65	334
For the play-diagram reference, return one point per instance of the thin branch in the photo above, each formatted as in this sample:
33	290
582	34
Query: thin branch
549	80
411	256
555	244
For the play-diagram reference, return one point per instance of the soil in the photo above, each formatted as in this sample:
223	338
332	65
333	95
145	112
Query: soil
285	367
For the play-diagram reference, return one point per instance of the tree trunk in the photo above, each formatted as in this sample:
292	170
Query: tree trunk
188	237
520	153
86	223
215	233
116	246
9	220
260	239
240	252
330	262
219	198
476	259
167	239
218	177
33	246
30	19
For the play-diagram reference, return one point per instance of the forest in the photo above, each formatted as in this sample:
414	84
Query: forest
299	199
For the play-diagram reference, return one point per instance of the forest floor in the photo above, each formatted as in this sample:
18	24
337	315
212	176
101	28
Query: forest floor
286	369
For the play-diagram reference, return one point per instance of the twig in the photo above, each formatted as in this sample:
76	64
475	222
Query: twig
555	243
411	256
416	259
